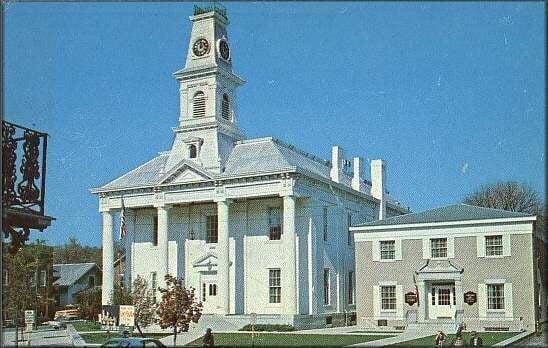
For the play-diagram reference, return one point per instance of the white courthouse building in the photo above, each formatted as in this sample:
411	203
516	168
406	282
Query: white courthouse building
254	225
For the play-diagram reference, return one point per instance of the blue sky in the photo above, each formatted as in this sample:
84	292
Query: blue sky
451	95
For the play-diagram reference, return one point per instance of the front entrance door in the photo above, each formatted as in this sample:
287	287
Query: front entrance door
442	301
209	296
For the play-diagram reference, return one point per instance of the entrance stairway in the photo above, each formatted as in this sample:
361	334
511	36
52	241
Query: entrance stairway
448	327
217	323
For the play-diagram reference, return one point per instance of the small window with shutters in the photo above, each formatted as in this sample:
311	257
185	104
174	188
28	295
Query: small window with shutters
225	107
199	103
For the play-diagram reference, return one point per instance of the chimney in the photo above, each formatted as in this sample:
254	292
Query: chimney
357	178
336	163
378	185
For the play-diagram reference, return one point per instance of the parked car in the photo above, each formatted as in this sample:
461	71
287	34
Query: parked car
134	342
57	325
69	313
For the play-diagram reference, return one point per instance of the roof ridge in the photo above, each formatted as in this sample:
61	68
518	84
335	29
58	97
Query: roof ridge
497	209
302	152
71	264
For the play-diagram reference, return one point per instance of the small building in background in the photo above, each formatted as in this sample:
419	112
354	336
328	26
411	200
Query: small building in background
445	266
73	278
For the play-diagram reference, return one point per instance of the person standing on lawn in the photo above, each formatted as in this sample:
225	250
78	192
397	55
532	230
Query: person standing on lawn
476	341
208	338
440	337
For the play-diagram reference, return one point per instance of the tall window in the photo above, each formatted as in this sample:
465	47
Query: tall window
192	151
212	289
350	287
438	247
326	286
274	285
44	278
91	282
155	230
495	296
348	224
225	107
212	232
388	297
153	284
493	245
388	249
325	223
204	288
199	103
275	223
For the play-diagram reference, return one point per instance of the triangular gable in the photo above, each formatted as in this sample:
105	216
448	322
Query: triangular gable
207	260
185	171
439	266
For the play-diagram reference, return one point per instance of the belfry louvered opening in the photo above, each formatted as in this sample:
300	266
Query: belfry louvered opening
225	107
199	102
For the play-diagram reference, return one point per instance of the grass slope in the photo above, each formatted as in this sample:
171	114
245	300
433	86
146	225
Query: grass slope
295	340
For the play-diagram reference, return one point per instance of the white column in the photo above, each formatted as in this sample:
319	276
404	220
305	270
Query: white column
423	300
129	239
108	258
223	279
163	223
291	267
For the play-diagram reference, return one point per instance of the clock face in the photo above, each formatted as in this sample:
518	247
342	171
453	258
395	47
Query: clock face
224	49
200	47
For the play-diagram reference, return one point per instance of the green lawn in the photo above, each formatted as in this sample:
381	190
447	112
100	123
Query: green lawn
488	338
86	326
273	340
102	337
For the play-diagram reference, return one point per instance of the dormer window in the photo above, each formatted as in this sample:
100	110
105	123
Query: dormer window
199	102
192	151
225	107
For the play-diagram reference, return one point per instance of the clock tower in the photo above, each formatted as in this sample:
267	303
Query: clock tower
207	126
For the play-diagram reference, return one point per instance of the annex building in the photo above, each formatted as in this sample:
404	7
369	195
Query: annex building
254	225
454	264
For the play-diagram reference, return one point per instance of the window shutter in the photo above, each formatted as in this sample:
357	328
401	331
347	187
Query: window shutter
480	241
482	300
451	247
426	248
376	252
506	243
398	249
399	301
508	302
376	301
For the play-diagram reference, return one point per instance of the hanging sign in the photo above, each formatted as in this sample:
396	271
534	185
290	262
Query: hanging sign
127	315
410	298
470	297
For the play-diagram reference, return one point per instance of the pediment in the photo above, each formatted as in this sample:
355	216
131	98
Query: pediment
185	171
209	260
439	266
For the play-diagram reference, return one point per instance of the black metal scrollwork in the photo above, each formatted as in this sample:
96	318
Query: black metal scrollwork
9	156
30	169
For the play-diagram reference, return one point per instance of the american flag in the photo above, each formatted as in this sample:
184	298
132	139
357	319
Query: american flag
123	227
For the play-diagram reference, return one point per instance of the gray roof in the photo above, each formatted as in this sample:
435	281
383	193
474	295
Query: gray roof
457	212
70	273
252	156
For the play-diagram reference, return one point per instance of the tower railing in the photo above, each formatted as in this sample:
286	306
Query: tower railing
212	7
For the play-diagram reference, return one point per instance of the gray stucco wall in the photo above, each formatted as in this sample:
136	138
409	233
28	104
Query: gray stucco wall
515	269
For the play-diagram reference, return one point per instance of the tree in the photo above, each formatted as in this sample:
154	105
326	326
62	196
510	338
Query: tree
27	281
178	306
121	296
74	252
144	304
89	302
510	195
